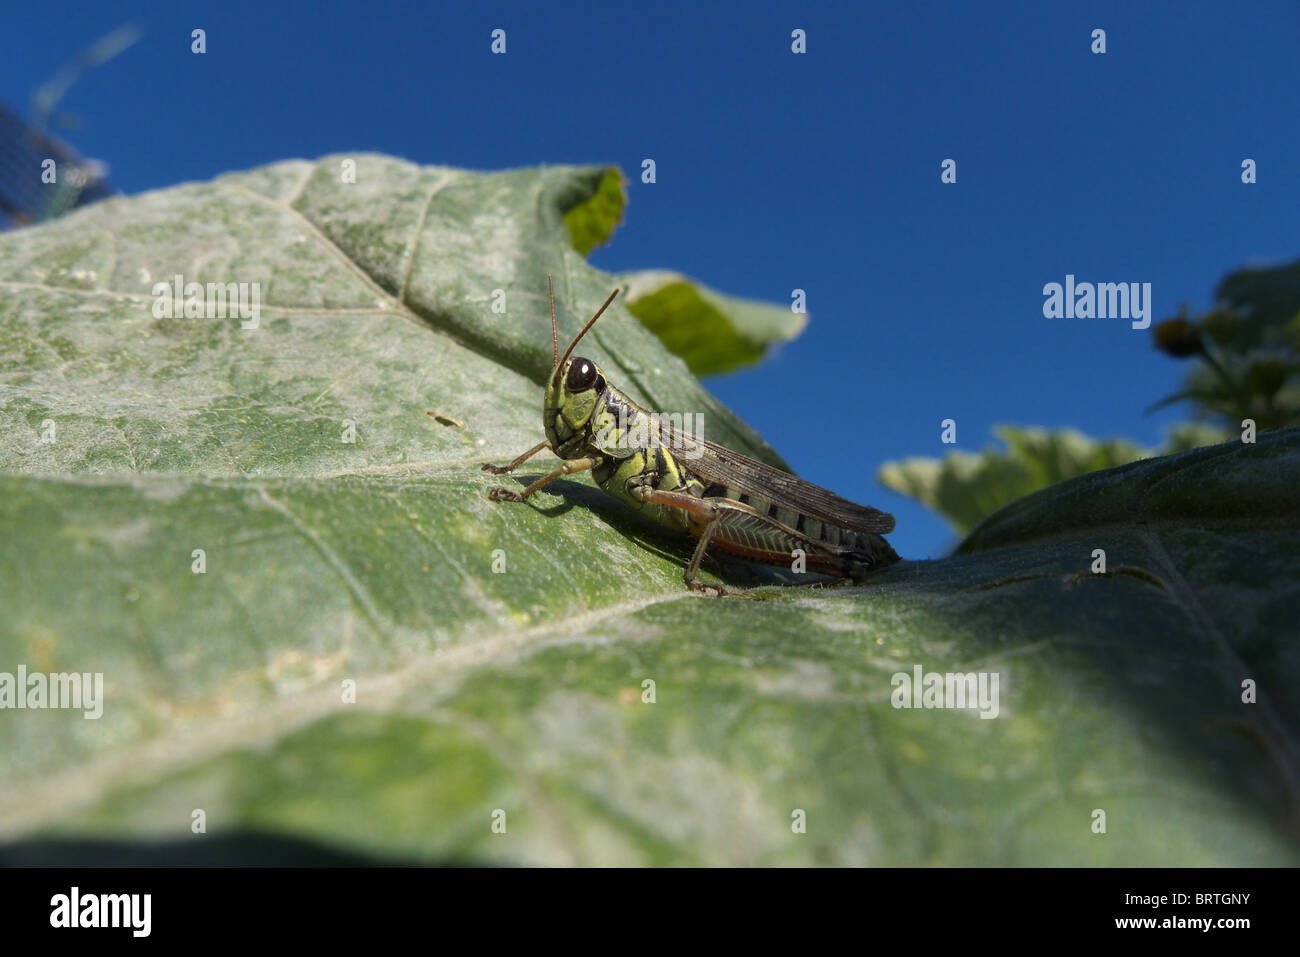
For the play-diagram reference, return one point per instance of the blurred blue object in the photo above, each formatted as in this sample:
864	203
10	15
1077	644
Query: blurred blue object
31	190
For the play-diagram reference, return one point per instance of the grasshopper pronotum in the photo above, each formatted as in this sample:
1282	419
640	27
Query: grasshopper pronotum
726	501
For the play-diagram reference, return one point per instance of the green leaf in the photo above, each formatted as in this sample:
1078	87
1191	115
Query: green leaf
521	691
596	212
713	332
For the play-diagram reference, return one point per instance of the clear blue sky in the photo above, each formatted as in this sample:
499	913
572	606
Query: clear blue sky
778	171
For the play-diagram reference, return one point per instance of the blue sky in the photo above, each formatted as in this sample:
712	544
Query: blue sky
778	171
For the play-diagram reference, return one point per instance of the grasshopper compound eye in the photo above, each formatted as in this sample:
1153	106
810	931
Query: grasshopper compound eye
582	375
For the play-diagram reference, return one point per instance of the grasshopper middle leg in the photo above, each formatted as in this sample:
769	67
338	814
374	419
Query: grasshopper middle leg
567	467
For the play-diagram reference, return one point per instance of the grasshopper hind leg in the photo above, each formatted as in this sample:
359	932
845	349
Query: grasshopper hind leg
694	506
700	547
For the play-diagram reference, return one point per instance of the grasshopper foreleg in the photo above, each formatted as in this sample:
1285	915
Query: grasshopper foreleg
503	469
566	468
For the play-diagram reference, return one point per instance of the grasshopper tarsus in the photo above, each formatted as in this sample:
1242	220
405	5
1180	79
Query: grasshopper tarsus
704	588
518	461
504	495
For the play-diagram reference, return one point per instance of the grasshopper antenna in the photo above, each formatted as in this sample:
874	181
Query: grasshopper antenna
590	323
555	330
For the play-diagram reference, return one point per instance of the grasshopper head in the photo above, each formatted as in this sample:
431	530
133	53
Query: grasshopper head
572	394
573	390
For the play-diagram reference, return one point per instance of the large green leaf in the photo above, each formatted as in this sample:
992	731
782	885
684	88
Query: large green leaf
522	690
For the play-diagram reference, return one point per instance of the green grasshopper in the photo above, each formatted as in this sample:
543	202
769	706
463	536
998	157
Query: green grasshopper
725	500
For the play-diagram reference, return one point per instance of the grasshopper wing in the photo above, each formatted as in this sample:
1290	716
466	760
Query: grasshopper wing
715	464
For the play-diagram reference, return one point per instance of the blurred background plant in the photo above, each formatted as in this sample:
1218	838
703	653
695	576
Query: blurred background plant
1247	351
1245	365
32	191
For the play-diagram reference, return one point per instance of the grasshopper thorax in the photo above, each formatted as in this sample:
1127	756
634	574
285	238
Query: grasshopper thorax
573	394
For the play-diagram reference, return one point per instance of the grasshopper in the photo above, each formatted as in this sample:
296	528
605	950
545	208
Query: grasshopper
723	499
